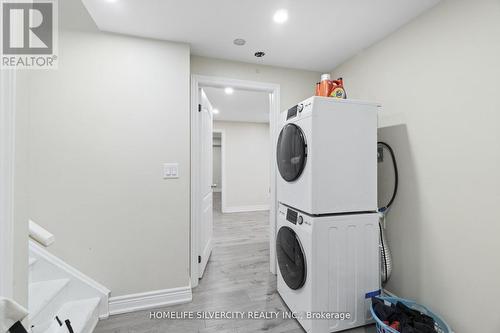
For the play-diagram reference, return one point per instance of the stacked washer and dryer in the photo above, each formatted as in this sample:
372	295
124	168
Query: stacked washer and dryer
327	244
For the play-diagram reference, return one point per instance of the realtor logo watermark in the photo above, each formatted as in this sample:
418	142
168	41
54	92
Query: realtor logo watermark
29	36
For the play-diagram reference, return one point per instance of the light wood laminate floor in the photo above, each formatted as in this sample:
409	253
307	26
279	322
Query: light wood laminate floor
237	278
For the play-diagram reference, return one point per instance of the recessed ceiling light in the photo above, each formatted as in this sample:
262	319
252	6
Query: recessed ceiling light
281	16
259	54
229	91
215	111
239	41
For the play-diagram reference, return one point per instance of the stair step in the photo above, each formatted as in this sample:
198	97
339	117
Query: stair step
42	293
32	261
82	315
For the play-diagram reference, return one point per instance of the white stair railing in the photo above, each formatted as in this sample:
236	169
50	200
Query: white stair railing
56	288
40	234
11	314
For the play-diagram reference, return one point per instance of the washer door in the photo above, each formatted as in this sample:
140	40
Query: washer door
291	258
291	152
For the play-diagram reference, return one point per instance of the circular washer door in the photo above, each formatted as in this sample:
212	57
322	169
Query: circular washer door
291	152
291	258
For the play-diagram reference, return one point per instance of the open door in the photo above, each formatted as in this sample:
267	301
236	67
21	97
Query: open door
206	197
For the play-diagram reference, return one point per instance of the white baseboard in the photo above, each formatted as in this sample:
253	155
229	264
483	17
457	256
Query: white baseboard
149	300
241	209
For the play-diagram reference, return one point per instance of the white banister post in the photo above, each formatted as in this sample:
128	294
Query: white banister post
7	135
40	234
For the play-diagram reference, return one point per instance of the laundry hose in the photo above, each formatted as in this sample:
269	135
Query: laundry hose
385	251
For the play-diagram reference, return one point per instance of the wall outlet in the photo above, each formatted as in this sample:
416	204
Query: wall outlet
170	170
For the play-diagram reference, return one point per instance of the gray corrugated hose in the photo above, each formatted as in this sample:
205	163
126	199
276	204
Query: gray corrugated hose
385	251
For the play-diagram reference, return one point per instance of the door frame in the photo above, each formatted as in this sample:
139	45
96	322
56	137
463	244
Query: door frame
7	169
200	81
222	165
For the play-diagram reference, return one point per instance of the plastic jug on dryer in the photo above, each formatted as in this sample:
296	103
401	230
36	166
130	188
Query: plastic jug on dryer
330	88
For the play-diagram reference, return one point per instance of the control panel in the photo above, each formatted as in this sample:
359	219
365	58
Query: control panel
292	112
291	216
296	110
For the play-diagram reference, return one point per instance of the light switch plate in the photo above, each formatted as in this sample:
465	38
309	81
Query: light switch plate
170	170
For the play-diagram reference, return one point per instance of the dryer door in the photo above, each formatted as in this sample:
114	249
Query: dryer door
291	152
291	258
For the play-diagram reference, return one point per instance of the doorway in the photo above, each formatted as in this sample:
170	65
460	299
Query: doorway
199	127
218	163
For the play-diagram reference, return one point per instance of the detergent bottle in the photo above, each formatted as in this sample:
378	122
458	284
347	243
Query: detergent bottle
337	90
325	86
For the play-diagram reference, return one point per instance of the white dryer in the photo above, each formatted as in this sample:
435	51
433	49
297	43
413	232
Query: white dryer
328	266
327	156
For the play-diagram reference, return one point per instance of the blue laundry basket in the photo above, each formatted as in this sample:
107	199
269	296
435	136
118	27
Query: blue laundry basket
442	326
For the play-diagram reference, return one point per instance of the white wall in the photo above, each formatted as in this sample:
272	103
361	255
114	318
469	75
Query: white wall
246	165
296	85
438	76
102	125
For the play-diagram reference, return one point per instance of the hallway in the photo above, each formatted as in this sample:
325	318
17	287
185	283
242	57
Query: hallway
237	278
239	228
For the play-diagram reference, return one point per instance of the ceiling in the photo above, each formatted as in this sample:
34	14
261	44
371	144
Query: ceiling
319	34
242	105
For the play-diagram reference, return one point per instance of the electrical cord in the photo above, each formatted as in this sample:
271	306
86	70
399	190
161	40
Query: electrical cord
396	176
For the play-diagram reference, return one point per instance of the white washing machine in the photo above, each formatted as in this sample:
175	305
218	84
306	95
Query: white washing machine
327	156
328	266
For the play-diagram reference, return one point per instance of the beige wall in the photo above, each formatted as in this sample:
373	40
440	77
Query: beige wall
246	165
438	78
296	85
102	125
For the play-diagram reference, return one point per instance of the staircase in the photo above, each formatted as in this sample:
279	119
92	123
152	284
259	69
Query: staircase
57	289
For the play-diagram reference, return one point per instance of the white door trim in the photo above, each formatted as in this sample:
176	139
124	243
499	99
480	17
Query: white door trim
198	81
7	150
